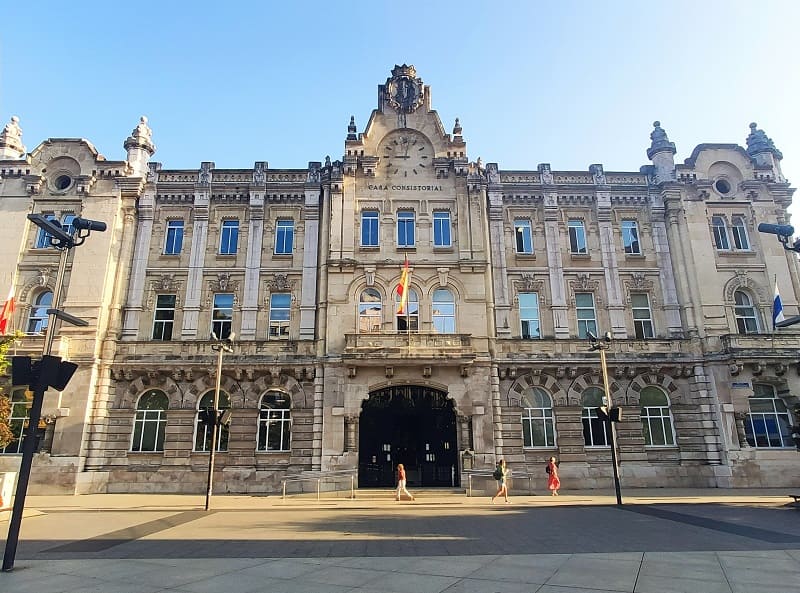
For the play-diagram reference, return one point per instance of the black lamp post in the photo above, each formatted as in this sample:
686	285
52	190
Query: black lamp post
214	418
50	371
608	413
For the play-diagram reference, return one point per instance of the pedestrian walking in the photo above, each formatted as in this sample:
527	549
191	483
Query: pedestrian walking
553	481
501	475
401	482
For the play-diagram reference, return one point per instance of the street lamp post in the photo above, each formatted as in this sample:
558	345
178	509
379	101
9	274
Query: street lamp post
51	371
608	413
220	346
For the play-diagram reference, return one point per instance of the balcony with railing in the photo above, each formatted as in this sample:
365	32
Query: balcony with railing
414	346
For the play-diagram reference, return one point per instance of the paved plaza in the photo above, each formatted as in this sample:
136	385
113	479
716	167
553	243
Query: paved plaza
660	541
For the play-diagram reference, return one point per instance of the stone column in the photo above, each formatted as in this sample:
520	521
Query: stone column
255	238
616	308
676	238
194	282
351	433
555	264
740	417
669	291
308	289
138	271
316	445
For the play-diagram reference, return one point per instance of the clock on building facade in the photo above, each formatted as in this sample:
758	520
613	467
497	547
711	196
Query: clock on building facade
405	153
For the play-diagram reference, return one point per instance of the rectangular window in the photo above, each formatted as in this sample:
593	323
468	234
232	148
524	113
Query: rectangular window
441	229
369	228
222	315
642	317
66	224
405	229
229	238
174	240
523	236
587	319
630	237
43	237
279	313
284	237
577	237
739	232
164	318
529	315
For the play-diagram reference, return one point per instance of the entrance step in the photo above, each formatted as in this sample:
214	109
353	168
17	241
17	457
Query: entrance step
418	493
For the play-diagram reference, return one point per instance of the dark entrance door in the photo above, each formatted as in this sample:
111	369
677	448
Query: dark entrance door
412	425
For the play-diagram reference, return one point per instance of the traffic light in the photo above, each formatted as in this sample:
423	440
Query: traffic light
50	371
615	415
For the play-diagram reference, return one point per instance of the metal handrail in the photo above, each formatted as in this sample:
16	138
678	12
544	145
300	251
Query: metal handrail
488	474
320	476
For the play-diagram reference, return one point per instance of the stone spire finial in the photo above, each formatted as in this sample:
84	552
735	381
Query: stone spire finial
758	142
659	141
457	128
351	129
141	137
11	146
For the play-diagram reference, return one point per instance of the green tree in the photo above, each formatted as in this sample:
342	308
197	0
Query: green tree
6	436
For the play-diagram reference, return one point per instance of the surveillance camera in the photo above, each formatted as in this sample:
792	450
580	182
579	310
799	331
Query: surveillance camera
607	336
782	230
214	336
84	224
591	336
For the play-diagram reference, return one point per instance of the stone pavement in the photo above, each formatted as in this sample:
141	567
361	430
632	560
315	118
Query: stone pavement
660	541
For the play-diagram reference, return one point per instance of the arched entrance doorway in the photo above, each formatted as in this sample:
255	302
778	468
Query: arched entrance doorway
412	425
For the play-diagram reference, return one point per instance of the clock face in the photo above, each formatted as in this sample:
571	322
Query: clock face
406	154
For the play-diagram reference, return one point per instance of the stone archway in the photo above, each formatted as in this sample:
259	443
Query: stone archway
412	425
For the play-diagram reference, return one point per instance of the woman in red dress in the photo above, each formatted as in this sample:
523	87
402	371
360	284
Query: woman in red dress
553	483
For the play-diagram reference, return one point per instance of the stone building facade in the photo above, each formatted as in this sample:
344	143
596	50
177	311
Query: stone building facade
510	271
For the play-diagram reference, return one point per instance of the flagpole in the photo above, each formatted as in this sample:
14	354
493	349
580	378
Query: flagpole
775	282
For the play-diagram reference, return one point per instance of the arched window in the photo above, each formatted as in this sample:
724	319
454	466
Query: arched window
444	311
37	321
150	423
274	422
538	429
745	312
657	425
720	233
202	440
370	312
594	429
739	232
17	420
768	424
410	317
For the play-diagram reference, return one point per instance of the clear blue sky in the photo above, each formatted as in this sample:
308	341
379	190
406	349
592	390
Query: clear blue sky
569	83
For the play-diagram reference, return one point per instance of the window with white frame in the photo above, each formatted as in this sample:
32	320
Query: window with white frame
369	228
538	427
594	429
529	315
523	236
408	320
720	229
441	229
284	237
370	311
768	423
174	240
150	422
745	313
443	312
66	224
38	319
587	318
164	317
202	439
642	316
229	237
274	422
222	315
630	237
280	308
42	236
657	425
577	237
739	232
405	228
17	421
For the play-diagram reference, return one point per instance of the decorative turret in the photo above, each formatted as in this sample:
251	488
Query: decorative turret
762	149
11	147
140	147
457	130
351	129
662	153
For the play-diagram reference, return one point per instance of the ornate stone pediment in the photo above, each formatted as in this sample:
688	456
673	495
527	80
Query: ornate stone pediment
280	283
584	283
166	283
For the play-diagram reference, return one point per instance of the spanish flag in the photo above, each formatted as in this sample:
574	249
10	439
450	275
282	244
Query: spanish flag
7	313
402	288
